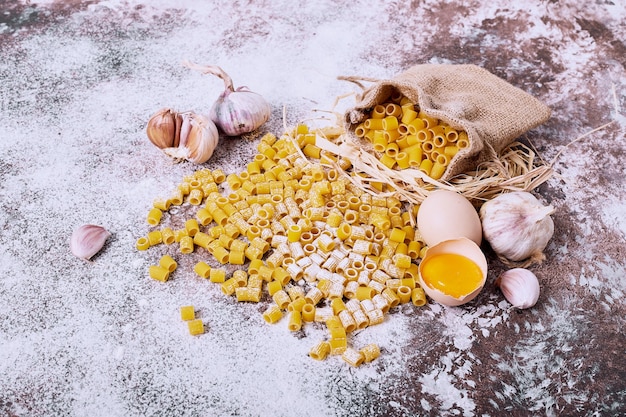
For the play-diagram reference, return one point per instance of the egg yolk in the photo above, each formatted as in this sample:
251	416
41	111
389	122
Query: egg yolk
453	274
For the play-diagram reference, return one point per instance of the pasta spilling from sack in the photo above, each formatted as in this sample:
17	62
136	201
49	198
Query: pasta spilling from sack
301	238
403	137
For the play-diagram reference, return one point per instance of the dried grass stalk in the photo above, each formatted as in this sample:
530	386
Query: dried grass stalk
517	168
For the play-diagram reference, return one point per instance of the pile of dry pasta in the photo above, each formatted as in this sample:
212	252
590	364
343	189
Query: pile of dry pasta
302	237
400	151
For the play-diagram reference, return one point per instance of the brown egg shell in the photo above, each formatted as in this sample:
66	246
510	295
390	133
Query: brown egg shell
461	246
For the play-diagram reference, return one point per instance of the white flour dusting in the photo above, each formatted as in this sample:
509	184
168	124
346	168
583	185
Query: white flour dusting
101	338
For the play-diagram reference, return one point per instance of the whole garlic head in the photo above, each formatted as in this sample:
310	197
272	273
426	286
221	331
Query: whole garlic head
517	226
183	136
236	111
520	287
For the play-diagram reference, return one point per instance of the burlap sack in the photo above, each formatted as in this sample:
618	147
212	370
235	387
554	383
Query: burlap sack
492	112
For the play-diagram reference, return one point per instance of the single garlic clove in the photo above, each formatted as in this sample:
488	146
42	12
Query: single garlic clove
162	129
236	111
87	240
520	287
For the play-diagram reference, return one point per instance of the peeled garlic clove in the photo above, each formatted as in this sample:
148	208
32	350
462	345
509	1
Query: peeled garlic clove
198	139
517	226
87	240
162	129
236	111
520	287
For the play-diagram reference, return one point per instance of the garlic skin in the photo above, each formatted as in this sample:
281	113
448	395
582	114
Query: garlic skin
87	240
520	287
236	111
198	139
183	136
517	226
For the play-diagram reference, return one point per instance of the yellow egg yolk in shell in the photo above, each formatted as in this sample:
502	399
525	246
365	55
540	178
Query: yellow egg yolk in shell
452	274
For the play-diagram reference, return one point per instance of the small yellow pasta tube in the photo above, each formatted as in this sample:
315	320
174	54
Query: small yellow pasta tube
296	304
408	282
159	273
272	314
391	296
312	151
450	150
379	141
338	345
375	316
202	269
364	293
196	327
186	244
187	313
155	237
404	294
437	170
273	287
154	216
463	141
218	176
402	261
202	239
236	257
142	243
313	296
195	197
337	305
418	297
360	319
168	263
308	312
352	357
393	110
425	166
167	236
248	294
162	204
217	275
370	352
221	254
403	160
379	111
320	351
391	135
295	321
397	235
281	298
229	286
373	124
347	321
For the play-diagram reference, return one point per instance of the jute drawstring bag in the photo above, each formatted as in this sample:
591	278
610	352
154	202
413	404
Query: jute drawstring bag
492	112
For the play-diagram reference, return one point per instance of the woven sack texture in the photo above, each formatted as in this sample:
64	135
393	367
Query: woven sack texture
492	111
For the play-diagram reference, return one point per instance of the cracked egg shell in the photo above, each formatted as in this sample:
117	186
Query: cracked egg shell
445	215
453	272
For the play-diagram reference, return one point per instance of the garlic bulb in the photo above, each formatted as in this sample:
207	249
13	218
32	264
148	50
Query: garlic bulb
189	136
236	111
520	287
517	226
87	240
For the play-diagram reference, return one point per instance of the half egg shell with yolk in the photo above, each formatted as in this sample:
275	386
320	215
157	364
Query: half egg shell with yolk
453	272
